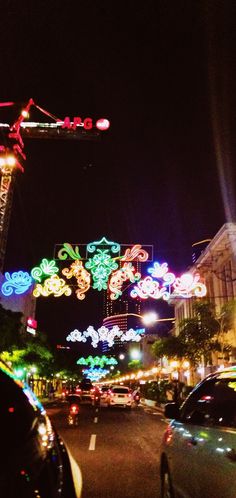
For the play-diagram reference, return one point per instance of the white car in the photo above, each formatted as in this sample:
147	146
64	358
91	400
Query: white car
119	396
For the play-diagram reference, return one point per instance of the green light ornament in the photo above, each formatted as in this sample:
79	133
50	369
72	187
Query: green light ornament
113	246
45	269
67	250
97	361
101	266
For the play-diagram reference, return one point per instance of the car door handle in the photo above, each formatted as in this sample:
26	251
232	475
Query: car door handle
231	454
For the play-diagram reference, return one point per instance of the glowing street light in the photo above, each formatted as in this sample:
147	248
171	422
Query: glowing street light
135	354
150	318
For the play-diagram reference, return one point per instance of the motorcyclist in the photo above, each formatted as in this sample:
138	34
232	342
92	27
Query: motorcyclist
73	416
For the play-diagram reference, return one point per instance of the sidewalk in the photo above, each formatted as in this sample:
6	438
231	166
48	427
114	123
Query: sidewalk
152	405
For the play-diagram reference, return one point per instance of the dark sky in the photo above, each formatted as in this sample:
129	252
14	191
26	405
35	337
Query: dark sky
164	74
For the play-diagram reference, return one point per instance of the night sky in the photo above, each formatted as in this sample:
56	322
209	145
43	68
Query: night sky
164	74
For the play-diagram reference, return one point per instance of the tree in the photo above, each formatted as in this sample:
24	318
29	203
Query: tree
171	346
11	327
198	334
226	322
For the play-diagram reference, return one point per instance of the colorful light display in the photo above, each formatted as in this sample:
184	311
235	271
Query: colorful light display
45	269
104	334
189	285
186	286
104	268
68	250
82	276
95	374
16	282
52	286
97	361
101	266
127	272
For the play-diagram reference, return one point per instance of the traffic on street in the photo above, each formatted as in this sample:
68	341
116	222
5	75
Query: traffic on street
117	450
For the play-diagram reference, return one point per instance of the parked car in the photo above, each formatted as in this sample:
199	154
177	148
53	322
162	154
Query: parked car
34	459
119	396
198	451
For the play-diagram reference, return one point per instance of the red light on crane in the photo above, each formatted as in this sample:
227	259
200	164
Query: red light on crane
102	124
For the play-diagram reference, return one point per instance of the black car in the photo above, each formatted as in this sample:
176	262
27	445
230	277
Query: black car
34	460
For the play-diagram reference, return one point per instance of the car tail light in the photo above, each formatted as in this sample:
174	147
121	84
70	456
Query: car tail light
168	435
74	409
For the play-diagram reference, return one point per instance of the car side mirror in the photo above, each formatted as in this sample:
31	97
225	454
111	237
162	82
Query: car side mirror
171	410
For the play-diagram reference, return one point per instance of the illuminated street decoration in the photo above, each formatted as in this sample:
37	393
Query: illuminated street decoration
148	287
127	272
113	246
186	286
136	252
101	266
98	361
189	285
16	282
82	276
103	334
160	271
52	286
95	374
131	335
45	269
67	250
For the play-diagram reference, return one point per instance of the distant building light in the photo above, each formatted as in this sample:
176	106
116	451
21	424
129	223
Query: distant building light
59	346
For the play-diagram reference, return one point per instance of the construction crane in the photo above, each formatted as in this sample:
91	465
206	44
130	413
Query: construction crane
12	154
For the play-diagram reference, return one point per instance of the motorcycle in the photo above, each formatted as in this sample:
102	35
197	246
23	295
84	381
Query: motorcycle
96	400
73	417
137	398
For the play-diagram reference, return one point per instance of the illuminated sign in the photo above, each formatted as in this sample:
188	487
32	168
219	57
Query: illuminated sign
101	124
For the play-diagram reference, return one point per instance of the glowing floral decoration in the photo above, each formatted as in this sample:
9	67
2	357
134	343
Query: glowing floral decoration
189	285
101	266
16	282
82	276
95	374
52	286
103	334
131	335
67	250
127	272
97	361
45	269
160	271
148	287
136	252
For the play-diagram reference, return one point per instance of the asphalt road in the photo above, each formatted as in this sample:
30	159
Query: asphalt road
117	451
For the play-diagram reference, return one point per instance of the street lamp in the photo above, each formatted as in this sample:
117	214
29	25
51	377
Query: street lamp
135	354
151	317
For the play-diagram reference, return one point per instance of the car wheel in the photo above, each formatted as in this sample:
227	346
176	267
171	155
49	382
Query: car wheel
166	484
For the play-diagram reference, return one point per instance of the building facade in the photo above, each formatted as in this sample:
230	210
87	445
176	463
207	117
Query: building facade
217	266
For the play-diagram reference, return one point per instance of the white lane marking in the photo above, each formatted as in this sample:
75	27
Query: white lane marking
92	442
96	410
96	420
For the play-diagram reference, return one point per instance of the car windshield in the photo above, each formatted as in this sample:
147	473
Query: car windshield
120	390
213	402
